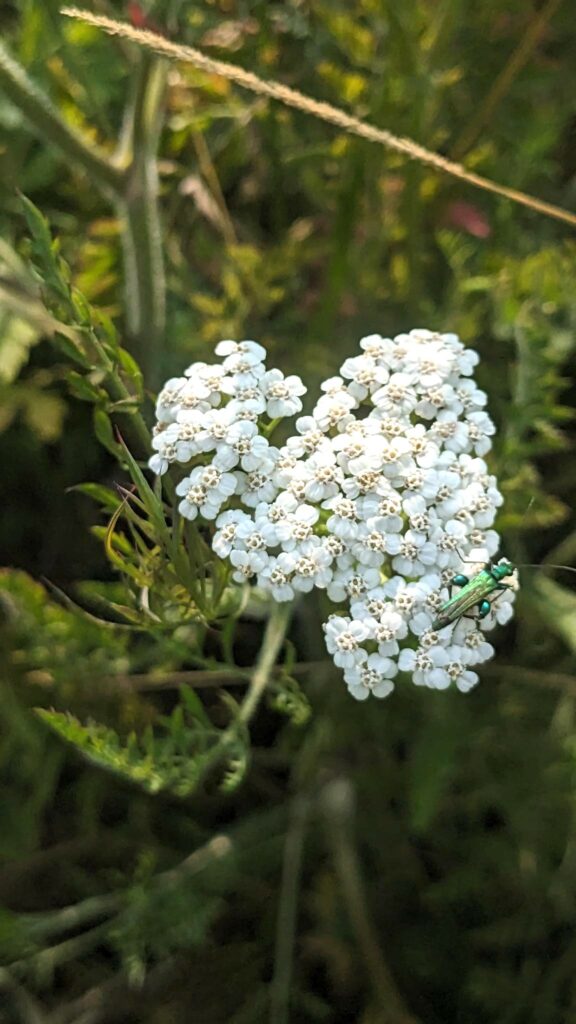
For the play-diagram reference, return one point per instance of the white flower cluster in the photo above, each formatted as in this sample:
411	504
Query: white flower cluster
221	410
380	498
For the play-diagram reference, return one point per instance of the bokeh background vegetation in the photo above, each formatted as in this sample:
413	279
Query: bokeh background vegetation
410	860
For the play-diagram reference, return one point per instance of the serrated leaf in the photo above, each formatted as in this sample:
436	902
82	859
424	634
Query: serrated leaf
81	306
237	759
286	697
104	747
172	760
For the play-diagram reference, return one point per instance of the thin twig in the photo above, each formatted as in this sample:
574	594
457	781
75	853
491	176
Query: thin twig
197	678
57	922
47	960
323	111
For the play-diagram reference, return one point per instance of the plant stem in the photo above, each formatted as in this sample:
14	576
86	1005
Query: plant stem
130	182
272	641
56	922
47	960
136	430
197	678
36	106
274	635
140	219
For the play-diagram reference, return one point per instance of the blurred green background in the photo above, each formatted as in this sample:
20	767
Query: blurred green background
410	860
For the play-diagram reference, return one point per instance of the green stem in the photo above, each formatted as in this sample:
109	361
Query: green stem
47	960
57	922
36	106
274	635
130	182
76	916
140	219
202	678
137	433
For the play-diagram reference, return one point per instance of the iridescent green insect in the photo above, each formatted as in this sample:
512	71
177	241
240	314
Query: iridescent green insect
474	593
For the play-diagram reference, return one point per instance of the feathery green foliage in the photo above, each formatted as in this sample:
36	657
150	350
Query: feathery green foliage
307	859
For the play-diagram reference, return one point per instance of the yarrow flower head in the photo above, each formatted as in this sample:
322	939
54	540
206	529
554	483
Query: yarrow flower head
379	498
209	420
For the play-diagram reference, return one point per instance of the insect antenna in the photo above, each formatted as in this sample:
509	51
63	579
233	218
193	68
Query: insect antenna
545	565
468	561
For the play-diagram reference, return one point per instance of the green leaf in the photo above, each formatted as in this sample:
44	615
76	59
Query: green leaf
151	502
286	697
172	760
38	227
104	747
236	766
83	388
105	496
54	271
70	349
104	431
132	371
16	936
192	703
